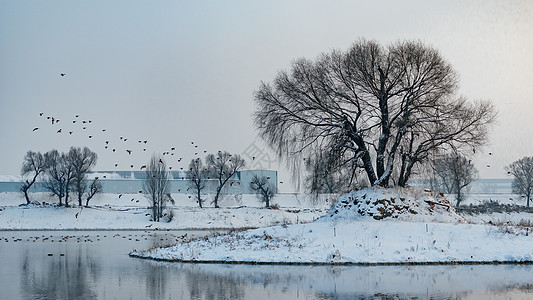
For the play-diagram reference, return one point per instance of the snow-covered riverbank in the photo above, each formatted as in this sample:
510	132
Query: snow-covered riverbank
355	231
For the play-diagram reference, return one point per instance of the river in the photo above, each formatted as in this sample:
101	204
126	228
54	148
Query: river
96	265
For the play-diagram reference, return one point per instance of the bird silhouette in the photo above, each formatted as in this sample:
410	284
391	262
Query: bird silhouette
120	195
73	122
90	136
116	165
36	128
143	167
160	161
59	131
62	74
41	114
129	151
70	132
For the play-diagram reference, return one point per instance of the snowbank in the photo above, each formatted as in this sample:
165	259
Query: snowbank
407	204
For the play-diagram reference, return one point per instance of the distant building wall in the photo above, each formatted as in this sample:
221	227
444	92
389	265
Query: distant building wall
480	186
132	182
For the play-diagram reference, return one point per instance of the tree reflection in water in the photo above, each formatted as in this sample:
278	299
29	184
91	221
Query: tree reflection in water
71	276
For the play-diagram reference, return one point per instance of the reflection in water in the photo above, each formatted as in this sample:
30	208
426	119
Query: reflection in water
71	276
205	285
97	267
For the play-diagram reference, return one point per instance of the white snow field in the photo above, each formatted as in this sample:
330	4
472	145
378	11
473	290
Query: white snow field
370	226
130	212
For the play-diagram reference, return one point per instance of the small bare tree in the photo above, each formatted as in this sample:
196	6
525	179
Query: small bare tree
82	161
157	186
263	188
223	166
197	176
94	188
59	173
522	172
453	174
32	166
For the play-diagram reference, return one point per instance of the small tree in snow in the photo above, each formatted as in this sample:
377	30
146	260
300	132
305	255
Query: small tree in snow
32	166
197	178
59	174
82	161
157	186
263	188
94	188
453	174
522	171
223	166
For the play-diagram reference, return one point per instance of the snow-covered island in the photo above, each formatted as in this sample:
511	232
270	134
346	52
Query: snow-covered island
370	226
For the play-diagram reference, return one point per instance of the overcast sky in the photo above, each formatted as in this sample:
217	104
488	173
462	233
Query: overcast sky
176	72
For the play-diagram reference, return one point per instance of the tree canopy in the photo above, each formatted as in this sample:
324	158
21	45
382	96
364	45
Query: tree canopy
372	109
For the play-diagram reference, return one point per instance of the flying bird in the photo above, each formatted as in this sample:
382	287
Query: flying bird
70	132
160	161
62	74
129	151
41	114
116	165
143	167
36	128
59	131
120	195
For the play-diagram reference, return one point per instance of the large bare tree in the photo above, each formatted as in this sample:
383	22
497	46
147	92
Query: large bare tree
377	108
223	166
157	186
453	173
197	177
82	161
522	172
32	167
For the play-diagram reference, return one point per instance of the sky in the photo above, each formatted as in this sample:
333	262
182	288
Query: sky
181	74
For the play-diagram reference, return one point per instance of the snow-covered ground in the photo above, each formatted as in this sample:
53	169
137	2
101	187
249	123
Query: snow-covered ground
369	226
130	211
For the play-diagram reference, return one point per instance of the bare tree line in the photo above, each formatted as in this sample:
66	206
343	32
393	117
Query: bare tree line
61	173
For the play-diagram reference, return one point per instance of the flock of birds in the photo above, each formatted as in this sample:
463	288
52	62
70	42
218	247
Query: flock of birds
121	146
157	238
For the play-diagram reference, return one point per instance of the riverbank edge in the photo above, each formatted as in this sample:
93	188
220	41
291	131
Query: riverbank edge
324	263
130	229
